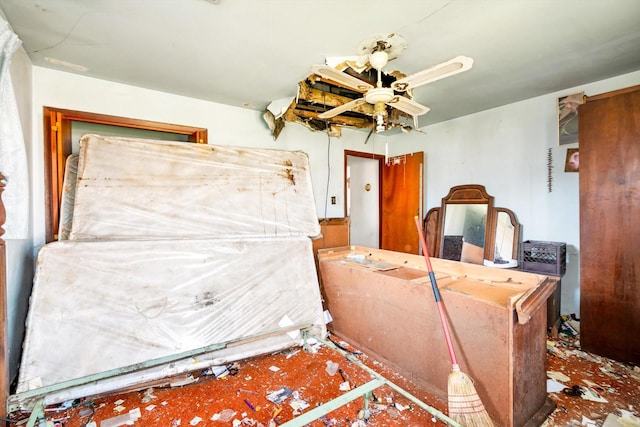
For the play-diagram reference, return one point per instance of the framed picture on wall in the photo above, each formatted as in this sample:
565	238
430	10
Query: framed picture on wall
572	162
568	118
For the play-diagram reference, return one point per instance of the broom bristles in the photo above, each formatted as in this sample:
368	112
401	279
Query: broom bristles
465	405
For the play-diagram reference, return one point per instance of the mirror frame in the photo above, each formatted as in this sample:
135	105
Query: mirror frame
433	223
471	194
516	230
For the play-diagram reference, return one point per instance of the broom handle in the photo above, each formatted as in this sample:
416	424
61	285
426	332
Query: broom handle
436	294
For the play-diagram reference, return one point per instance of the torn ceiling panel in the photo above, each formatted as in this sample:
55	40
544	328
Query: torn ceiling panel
317	95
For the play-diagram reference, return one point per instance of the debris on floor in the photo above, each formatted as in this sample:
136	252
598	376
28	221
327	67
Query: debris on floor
589	390
253	394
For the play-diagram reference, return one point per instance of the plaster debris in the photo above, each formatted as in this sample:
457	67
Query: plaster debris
224	416
332	368
558	376
297	403
148	395
554	386
285	322
188	380
120	420
626	419
279	396
293	353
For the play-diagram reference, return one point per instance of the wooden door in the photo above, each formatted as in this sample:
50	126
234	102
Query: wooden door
610	226
402	195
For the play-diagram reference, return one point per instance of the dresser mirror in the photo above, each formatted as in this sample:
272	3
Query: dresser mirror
506	236
468	228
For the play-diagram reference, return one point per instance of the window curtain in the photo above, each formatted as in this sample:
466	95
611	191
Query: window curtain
13	156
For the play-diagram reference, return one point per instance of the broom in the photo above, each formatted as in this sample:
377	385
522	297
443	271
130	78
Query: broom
465	405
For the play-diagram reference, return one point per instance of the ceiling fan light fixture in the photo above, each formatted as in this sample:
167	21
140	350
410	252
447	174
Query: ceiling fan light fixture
380	51
379	94
380	113
378	59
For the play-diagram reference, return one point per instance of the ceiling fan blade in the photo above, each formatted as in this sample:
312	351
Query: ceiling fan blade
342	108
437	72
342	78
408	106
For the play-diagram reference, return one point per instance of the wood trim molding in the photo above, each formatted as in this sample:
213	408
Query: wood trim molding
612	93
57	147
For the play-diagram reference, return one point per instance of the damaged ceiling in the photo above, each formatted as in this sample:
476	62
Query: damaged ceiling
317	95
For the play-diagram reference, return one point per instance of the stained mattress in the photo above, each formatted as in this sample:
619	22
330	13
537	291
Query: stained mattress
142	189
102	305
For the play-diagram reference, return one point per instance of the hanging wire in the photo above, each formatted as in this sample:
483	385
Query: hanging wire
326	196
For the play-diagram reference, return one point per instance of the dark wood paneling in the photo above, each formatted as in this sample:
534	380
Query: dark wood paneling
610	226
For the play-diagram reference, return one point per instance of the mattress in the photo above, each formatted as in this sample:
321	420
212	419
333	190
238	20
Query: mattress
68	196
102	305
142	189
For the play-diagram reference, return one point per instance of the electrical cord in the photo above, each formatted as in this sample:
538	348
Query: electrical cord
326	197
343	348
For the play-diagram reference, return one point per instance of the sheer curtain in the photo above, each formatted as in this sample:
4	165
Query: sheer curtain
13	157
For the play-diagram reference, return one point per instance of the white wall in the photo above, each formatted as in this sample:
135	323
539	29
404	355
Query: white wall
505	149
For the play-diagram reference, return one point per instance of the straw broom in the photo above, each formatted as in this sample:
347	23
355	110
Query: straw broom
465	405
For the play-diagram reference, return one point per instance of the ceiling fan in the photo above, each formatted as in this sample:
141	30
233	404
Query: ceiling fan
378	52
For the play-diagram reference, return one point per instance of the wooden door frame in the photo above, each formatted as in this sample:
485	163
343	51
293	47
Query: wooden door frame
380	158
58	146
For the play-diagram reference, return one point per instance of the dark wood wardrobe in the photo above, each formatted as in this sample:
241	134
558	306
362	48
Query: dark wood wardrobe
609	147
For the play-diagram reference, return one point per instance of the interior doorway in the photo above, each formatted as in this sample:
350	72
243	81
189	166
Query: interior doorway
383	196
363	190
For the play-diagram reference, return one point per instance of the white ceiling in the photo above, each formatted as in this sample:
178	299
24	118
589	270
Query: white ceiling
248	53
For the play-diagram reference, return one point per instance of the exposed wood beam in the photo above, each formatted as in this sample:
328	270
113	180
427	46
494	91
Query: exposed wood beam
328	99
292	115
315	78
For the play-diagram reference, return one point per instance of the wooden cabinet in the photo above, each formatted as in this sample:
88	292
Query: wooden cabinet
334	232
382	302
553	305
609	225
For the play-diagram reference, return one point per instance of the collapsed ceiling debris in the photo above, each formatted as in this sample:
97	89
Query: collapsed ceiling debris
317	95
